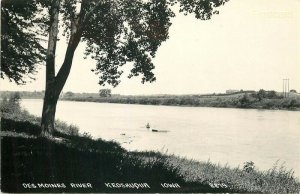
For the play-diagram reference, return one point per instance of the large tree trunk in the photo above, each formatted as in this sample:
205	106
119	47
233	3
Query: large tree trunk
48	115
50	99
55	84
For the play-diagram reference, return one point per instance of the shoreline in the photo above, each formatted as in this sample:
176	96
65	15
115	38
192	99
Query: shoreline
229	107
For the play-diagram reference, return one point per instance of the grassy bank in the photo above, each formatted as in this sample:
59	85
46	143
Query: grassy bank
71	157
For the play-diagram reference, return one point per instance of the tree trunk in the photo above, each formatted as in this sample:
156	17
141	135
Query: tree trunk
55	84
50	99
48	115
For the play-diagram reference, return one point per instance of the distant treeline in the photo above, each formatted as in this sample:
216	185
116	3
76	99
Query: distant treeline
41	94
261	99
24	94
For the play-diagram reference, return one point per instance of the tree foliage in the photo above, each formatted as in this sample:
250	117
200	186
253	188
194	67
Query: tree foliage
115	32
125	31
105	92
21	48
261	94
131	31
69	94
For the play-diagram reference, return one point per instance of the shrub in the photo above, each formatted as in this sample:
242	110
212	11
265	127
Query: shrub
10	104
244	102
248	167
271	94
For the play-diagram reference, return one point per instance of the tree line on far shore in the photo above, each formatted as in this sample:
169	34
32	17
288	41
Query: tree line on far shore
242	99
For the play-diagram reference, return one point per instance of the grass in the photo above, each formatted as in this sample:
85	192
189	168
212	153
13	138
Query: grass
275	180
73	157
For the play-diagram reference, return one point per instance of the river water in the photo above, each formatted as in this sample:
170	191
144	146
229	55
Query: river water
221	135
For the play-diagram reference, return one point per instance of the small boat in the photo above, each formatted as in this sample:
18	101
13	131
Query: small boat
162	131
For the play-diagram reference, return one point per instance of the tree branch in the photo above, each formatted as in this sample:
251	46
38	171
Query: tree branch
64	70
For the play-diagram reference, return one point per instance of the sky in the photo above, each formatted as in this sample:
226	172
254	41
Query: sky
250	45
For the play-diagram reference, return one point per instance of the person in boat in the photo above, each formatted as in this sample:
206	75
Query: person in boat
148	126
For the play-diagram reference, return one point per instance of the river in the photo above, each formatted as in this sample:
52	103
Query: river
221	135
